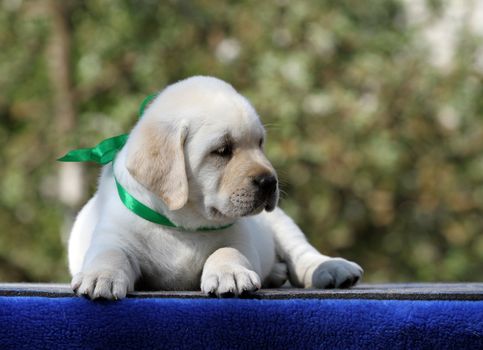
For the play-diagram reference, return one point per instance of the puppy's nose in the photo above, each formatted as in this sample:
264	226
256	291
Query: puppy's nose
266	183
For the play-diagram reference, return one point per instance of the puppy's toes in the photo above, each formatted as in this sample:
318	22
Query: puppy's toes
119	289
336	273
247	282
76	282
227	287
209	285
86	284
322	279
101	284
103	288
230	282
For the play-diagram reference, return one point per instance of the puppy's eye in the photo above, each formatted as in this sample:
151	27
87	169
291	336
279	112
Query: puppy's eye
225	151
260	143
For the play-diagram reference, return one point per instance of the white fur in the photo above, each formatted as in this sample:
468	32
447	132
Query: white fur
111	249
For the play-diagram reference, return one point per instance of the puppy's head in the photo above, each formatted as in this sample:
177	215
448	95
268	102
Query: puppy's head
201	143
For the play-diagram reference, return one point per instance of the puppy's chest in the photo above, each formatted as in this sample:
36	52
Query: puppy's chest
174	260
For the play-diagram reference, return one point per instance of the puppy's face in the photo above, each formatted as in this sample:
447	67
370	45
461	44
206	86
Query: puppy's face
202	144
230	176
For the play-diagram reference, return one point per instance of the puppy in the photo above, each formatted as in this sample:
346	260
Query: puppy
195	156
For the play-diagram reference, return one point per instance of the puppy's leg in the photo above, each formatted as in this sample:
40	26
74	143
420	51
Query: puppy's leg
227	272
81	234
307	267
107	273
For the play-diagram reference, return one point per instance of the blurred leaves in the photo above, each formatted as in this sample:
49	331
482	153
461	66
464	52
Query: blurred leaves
379	153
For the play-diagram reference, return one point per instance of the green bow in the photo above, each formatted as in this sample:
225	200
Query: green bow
105	152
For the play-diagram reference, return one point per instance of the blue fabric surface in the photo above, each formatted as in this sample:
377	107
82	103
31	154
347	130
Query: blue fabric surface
39	322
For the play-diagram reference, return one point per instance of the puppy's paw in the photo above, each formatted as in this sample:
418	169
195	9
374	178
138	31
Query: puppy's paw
111	285
229	281
336	273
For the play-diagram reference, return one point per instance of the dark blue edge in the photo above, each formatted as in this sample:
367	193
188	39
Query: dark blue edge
43	322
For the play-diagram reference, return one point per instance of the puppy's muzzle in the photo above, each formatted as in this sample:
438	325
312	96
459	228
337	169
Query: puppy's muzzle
267	190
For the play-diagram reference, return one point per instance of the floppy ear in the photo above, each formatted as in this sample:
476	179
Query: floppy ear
156	160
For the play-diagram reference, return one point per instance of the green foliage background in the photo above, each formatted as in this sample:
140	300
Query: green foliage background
357	119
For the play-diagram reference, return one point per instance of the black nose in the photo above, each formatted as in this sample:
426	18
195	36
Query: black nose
267	183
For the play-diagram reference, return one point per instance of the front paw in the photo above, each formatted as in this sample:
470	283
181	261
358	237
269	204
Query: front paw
336	273
106	284
230	281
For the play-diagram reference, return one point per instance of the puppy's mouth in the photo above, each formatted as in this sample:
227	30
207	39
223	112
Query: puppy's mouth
233	213
216	214
244	209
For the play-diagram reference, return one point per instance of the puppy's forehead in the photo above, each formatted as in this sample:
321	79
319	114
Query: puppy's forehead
239	123
222	111
211	106
226	108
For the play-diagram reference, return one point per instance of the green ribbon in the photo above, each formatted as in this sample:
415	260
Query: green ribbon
145	103
105	152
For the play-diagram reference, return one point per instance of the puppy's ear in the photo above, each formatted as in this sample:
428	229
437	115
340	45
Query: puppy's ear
156	160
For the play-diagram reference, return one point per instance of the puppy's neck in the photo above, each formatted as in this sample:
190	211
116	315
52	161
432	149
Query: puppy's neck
187	217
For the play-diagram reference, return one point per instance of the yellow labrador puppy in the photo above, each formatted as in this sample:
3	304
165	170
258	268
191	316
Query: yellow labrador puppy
196	157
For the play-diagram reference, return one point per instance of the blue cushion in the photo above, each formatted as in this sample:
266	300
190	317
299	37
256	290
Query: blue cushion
172	323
